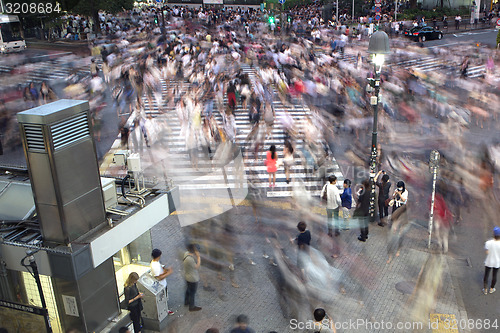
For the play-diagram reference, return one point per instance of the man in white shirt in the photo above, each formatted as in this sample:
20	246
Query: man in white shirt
332	204
159	271
492	262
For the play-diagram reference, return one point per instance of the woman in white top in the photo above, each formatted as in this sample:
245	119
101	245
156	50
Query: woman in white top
492	261
288	159
400	196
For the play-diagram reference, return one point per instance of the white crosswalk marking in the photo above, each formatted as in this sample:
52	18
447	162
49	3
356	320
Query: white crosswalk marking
431	63
38	72
206	177
423	64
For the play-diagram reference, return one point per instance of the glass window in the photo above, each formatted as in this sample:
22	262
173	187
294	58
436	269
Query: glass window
11	32
134	257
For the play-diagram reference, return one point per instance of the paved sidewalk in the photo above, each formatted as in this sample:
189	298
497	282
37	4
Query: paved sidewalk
368	289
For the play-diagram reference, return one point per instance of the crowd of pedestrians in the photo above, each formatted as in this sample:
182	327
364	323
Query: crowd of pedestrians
208	48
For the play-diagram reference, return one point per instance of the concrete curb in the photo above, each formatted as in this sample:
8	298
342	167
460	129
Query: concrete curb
458	294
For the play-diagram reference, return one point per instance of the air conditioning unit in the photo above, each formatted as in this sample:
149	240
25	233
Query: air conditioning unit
62	163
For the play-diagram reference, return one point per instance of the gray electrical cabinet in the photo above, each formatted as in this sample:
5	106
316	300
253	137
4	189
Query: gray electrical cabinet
62	163
155	306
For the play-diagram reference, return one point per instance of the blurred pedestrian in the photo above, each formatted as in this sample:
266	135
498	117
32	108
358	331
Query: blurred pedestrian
458	19
399	220
464	67
333	201
35	95
242	325
133	300
492	262
288	160
191	263
46	93
442	221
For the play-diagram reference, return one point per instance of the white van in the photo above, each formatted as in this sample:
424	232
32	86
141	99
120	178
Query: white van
11	35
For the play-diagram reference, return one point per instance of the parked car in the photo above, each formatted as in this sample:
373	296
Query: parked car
423	33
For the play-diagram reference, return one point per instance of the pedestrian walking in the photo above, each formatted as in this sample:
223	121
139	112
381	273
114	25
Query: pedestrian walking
399	220
331	193
46	94
160	272
191	262
464	67
133	300
271	163
362	210
288	160
94	69
346	198
458	19
442	221
242	325
492	262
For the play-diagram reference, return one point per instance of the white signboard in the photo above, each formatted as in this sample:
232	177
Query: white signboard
70	306
214	2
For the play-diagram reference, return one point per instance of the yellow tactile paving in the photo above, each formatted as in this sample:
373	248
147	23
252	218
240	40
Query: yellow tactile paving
443	323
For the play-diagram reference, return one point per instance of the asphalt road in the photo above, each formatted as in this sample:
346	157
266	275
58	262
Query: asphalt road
487	37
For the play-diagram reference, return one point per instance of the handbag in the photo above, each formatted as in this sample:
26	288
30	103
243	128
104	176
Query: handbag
387	202
324	196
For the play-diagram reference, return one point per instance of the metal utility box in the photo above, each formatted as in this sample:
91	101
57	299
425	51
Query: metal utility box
62	163
134	163
155	298
120	157
109	192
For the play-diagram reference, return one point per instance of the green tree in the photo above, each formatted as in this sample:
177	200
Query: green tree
91	8
498	37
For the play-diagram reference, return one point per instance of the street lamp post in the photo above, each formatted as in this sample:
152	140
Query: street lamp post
378	47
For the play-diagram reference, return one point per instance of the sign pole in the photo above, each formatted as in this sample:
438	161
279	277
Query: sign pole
434	166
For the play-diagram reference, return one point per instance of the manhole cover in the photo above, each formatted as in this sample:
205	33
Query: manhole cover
406	287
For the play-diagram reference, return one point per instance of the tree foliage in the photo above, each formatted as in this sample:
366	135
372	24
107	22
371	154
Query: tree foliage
88	7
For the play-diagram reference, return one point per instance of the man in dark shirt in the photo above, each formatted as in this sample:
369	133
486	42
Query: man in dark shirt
362	211
242	325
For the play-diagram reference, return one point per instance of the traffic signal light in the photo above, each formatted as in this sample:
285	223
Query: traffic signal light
271	19
156	20
289	18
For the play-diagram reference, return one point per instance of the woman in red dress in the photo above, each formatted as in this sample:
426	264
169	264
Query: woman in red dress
271	161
